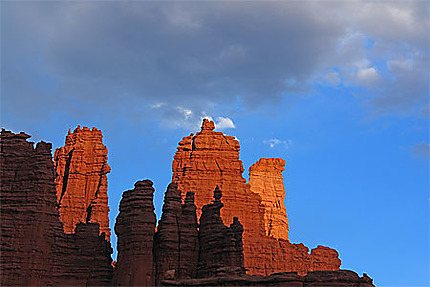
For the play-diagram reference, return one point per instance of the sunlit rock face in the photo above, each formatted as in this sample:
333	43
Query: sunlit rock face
81	180
265	179
210	158
34	249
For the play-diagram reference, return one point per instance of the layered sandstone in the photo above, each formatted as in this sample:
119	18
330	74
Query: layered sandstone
176	241
265	179
210	158
28	214
340	278
81	180
135	228
34	249
221	248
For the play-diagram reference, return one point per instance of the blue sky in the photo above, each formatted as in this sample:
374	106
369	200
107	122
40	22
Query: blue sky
340	90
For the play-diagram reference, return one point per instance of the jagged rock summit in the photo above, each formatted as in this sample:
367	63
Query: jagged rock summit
81	180
55	229
209	159
34	249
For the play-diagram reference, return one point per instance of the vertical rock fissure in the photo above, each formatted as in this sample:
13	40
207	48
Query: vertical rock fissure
66	175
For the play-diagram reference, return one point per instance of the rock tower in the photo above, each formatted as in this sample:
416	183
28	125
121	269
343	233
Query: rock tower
81	180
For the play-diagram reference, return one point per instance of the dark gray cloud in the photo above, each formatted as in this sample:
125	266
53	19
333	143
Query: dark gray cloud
168	57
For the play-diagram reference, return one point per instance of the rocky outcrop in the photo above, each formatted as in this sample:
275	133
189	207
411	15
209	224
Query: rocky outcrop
135	228
81	180
176	241
34	249
221	248
83	258
265	179
210	158
29	222
189	238
338	278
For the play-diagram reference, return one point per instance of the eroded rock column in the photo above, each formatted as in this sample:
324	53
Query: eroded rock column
135	227
265	179
176	244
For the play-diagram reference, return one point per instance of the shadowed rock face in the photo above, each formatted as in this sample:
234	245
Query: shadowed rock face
340	278
265	179
81	182
176	241
210	158
135	228
221	247
34	248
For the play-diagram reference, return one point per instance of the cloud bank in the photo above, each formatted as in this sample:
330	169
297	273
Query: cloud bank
183	60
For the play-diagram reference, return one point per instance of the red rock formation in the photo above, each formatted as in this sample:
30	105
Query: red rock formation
135	228
189	239
211	158
220	246
28	213
176	241
34	248
324	258
265	179
81	182
338	278
84	257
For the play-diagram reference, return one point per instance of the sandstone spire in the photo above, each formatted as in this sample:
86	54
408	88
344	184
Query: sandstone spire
220	246
81	180
135	227
176	241
265	179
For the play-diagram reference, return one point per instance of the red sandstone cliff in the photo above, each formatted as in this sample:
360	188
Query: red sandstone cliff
210	158
34	249
81	182
135	228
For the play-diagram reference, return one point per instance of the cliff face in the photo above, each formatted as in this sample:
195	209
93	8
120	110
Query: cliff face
135	228
81	180
265	179
221	248
29	220
210	158
340	278
34	248
176	244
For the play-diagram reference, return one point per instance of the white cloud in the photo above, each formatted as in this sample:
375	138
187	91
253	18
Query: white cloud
224	123
367	75
186	113
275	142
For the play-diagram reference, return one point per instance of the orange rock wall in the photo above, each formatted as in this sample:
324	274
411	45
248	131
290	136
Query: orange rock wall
210	158
81	180
265	179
